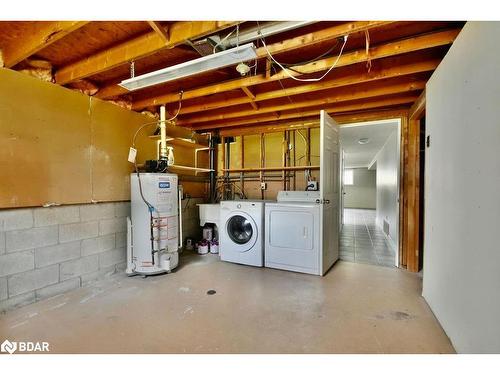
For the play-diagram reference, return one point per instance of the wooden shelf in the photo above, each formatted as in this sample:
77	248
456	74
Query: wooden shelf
270	169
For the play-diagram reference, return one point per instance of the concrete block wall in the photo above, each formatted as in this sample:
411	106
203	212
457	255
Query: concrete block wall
48	251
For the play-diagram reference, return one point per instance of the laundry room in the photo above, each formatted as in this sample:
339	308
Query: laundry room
187	186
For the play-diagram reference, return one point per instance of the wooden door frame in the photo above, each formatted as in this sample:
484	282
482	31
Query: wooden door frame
410	209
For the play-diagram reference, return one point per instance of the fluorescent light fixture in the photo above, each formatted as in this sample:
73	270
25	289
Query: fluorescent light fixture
207	63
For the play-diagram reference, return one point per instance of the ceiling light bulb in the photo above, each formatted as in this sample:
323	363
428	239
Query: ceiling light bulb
363	141
243	69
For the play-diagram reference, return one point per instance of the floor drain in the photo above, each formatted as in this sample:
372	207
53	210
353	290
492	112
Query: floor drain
211	292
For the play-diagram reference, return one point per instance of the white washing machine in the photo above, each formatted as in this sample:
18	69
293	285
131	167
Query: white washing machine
292	232
241	233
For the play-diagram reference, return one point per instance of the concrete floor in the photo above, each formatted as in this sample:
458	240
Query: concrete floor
355	308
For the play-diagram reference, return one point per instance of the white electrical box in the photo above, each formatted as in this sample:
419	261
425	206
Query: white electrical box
153	229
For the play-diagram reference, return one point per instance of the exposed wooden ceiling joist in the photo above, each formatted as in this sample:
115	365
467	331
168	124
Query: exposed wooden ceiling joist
337	108
396	67
313	122
139	47
43	36
288	45
349	93
407	45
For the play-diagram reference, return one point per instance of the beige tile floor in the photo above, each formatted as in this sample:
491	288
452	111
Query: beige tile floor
362	241
355	308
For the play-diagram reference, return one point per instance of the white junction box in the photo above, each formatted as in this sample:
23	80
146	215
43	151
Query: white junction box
153	229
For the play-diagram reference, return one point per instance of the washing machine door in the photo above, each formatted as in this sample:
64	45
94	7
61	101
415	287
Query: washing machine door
242	231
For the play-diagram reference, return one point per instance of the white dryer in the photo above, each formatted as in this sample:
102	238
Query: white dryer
242	232
292	228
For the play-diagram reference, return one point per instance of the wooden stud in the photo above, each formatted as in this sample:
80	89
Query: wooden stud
354	92
160	30
42	37
137	48
242	157
386	50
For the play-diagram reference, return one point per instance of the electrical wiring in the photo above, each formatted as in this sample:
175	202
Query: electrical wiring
304	79
311	60
223	40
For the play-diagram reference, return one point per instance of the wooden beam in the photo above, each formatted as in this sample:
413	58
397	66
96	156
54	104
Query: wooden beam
137	48
417	110
288	45
386	50
313	122
339	108
388	68
41	37
160	30
349	93
320	36
251	96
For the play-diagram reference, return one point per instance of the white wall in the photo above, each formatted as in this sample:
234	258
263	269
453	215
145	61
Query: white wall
387	187
363	192
462	204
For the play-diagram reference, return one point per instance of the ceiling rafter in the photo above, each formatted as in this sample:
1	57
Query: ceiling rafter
337	108
137	48
287	45
403	46
355	92
397	67
44	36
313	122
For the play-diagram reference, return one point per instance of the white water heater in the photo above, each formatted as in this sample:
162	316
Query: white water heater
153	229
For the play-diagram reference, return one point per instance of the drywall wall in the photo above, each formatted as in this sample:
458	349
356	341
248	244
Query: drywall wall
387	187
462	201
61	146
363	192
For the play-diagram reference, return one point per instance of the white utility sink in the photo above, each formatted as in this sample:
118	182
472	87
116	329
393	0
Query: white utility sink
209	213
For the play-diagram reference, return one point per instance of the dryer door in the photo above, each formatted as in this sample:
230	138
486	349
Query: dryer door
242	231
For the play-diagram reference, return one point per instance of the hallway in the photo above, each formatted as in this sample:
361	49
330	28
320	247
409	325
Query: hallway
361	241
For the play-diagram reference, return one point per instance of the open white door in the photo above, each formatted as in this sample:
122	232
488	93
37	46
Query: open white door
329	191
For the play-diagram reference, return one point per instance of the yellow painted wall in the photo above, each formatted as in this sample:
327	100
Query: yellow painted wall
61	146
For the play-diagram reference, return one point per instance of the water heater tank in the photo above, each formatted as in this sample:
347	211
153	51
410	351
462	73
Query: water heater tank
153	234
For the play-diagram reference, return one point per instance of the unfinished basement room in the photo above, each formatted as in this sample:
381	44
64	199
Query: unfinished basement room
274	186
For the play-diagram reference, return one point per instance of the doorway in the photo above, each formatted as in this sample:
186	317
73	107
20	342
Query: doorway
370	190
